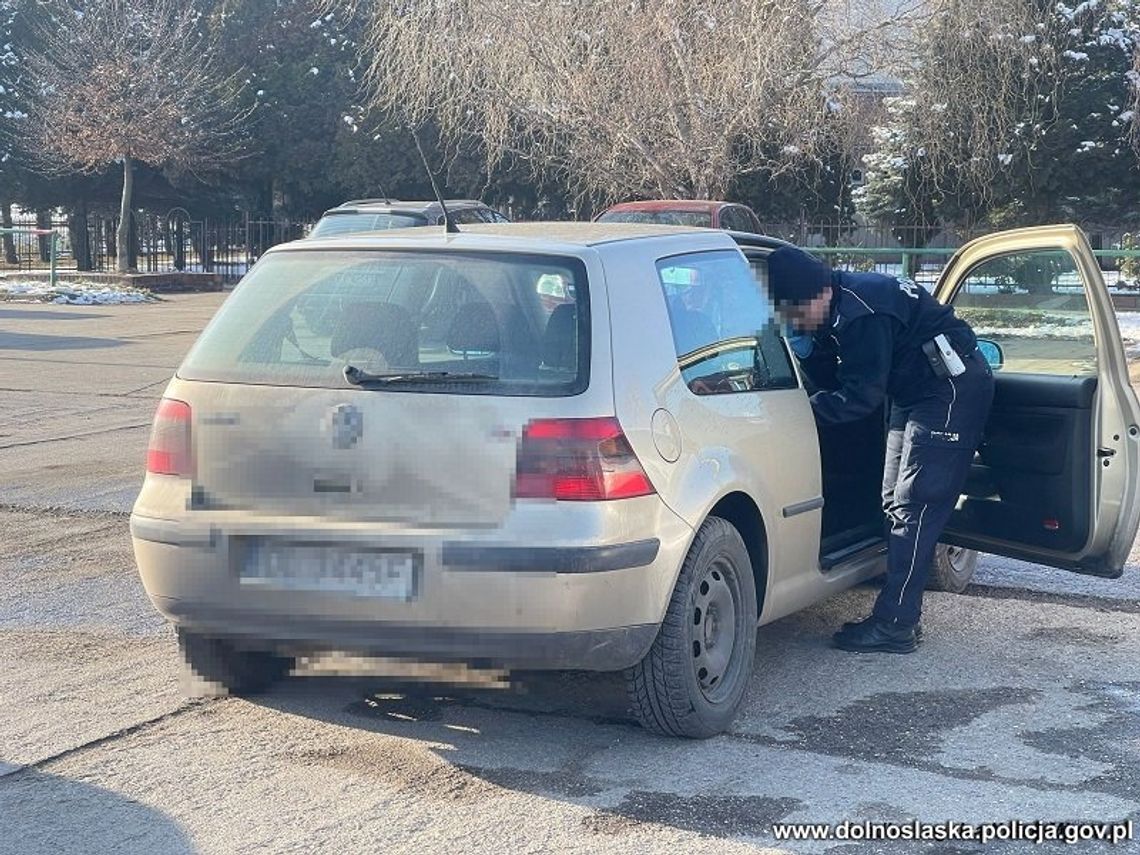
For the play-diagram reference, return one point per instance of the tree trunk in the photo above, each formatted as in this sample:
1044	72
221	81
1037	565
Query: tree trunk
80	239
123	234
43	223
10	255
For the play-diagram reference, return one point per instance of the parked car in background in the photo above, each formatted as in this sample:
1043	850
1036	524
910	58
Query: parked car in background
373	215
682	212
586	446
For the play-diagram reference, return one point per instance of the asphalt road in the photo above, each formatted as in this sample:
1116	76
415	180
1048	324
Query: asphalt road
1023	703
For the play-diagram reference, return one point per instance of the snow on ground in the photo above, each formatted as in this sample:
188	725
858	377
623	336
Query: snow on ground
74	293
1129	323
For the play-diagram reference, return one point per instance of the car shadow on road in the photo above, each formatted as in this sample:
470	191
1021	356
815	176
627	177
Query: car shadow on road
40	343
817	725
543	734
40	315
568	736
44	813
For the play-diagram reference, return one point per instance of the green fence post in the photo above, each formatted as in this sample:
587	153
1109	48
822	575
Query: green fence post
907	267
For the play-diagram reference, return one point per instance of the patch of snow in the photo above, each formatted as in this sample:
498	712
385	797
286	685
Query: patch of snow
1113	36
1075	55
73	293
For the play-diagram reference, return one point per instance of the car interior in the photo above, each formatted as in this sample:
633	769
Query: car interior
1030	483
432	317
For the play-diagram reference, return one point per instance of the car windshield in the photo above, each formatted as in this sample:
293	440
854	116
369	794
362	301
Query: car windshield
441	321
362	221
702	219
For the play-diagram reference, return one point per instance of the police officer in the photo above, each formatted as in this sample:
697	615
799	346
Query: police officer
866	338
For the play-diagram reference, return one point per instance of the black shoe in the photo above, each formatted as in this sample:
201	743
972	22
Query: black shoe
875	635
851	624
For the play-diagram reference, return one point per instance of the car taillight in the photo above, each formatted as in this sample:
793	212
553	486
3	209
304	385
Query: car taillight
578	460
169	449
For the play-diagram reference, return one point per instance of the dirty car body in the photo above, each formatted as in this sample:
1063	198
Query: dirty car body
540	445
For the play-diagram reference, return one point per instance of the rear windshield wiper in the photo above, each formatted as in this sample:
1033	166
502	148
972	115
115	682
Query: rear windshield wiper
359	377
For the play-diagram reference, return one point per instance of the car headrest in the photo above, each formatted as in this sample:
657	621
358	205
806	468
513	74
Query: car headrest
381	326
474	328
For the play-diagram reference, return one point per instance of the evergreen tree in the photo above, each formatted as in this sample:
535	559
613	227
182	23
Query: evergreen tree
1067	155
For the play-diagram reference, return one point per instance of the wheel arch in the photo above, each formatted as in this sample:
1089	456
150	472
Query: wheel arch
739	509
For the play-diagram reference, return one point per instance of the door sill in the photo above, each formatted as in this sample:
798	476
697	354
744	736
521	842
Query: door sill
865	548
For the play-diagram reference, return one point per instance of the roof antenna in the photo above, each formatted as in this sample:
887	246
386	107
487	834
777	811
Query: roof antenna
449	225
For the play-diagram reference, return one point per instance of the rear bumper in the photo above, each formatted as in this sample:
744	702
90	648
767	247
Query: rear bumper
594	650
592	601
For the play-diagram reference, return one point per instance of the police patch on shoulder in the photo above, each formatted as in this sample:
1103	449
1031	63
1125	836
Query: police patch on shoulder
909	287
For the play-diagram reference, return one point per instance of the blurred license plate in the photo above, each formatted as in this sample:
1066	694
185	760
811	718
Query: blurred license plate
364	573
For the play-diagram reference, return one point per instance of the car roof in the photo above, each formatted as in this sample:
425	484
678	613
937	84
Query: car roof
531	237
699	205
388	206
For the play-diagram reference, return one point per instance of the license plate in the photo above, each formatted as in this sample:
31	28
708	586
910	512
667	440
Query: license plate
385	575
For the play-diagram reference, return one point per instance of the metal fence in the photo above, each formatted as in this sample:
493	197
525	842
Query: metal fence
158	244
176	241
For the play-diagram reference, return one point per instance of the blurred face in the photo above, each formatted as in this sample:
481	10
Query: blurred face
809	316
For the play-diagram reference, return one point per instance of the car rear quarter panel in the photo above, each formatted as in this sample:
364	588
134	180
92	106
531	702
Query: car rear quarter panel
762	444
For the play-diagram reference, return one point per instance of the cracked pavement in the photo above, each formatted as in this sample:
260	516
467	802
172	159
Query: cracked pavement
1023	702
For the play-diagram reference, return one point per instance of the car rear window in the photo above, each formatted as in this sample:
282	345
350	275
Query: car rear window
702	219
350	223
429	319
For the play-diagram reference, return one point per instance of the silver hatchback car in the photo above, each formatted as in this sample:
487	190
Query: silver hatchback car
578	446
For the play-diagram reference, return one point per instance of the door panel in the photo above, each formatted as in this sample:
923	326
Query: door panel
1031	478
1055	479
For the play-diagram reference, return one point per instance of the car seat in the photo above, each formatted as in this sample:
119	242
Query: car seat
371	330
560	341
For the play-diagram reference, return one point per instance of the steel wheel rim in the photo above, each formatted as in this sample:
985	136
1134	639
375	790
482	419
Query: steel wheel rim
713	620
955	555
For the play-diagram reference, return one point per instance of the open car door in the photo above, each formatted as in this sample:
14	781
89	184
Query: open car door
1055	480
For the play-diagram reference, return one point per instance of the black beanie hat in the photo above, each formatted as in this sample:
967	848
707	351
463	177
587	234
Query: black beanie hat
794	276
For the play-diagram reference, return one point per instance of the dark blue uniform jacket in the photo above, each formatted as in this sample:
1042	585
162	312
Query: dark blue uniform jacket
871	345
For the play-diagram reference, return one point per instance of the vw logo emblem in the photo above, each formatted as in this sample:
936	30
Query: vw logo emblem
345	424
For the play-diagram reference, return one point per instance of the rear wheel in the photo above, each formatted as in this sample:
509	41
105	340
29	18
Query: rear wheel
238	670
952	568
693	679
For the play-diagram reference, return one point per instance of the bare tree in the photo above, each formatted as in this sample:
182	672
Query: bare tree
678	97
662	97
127	81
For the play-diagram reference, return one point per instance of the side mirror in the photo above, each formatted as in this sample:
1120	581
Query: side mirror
992	353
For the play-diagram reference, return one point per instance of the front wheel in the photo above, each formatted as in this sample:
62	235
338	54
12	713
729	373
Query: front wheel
952	568
693	679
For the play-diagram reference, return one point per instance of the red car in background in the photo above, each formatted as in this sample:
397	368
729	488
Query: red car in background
681	212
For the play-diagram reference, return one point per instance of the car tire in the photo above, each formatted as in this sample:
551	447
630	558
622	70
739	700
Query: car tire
237	670
952	568
688	684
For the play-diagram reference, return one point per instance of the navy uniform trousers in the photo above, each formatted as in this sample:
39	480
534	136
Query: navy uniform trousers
930	446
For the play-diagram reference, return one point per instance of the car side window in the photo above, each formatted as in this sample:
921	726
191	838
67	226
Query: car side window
725	333
733	218
466	216
1034	307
